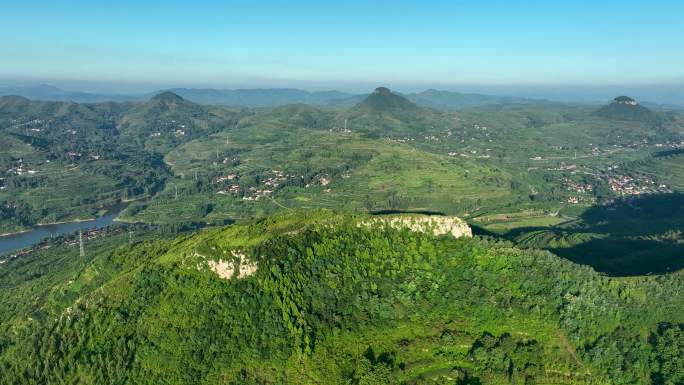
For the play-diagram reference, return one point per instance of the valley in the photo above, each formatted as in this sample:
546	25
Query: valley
508	169
313	244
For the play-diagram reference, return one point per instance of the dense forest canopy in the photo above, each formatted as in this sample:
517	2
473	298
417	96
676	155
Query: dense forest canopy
315	298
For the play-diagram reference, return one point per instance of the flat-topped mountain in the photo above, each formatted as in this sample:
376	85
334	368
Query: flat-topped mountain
627	108
625	100
385	113
383	100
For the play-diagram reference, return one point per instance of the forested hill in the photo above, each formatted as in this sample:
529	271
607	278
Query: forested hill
323	298
627	109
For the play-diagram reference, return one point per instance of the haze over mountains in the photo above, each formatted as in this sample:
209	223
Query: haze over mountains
263	97
669	97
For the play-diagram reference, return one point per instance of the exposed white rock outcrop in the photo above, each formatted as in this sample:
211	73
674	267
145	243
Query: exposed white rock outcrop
226	269
432	224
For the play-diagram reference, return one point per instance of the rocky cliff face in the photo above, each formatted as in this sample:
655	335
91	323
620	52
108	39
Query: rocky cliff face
433	224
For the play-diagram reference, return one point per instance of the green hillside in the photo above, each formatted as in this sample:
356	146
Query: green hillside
318	169
61	161
627	109
525	172
317	298
386	114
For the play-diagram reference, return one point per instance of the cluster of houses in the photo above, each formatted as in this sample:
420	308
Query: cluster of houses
447	134
476	127
232	160
252	193
77	155
676	144
270	185
322	180
227	178
573	200
32	125
626	185
340	130
470	154
20	168
277	178
87	236
572	168
176	129
405	139
578	187
233	188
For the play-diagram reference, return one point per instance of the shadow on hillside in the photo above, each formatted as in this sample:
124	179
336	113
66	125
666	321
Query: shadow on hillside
631	236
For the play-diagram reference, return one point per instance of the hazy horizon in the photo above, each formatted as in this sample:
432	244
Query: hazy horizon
572	93
126	47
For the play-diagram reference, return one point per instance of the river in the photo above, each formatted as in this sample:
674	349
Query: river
39	233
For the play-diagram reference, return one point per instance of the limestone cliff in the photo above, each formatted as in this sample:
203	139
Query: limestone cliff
434	224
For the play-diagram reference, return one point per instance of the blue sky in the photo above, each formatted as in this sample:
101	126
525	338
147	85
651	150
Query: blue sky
343	44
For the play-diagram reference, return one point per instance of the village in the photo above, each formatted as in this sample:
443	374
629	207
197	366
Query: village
18	167
174	128
32	125
619	183
265	187
624	185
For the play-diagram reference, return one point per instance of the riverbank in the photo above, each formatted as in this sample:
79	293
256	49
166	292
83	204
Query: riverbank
14	233
28	237
77	220
119	208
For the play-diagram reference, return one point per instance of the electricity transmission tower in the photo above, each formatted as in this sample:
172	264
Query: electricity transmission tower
80	243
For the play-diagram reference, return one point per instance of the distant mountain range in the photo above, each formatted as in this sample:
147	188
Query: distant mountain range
273	97
267	97
47	92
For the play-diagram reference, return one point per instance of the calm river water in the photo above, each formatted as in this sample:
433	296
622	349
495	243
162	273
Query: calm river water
37	234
